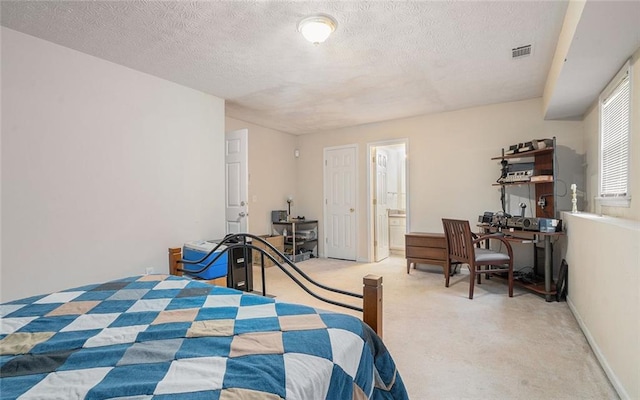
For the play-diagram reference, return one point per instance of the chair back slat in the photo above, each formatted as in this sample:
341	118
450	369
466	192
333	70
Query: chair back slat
459	241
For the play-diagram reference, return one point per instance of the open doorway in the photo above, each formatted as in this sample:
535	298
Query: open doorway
388	197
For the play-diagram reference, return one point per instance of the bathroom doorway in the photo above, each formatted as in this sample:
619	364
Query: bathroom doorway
388	197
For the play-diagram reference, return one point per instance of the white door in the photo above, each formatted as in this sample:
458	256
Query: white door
236	161
381	206
340	202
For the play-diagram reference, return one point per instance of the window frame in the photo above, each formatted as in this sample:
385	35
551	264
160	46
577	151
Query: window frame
625	200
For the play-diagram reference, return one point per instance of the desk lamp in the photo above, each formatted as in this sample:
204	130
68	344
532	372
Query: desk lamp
289	201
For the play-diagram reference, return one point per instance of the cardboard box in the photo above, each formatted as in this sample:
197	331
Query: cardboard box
275	241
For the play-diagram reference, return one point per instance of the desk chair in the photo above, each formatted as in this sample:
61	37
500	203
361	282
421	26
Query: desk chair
460	248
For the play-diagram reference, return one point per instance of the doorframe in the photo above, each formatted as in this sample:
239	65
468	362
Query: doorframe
323	254
370	209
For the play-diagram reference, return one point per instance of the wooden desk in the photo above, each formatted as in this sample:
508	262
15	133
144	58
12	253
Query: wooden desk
522	236
425	248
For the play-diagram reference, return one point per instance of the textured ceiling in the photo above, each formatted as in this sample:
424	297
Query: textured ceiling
386	59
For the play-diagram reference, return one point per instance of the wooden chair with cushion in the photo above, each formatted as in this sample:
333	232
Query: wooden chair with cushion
461	247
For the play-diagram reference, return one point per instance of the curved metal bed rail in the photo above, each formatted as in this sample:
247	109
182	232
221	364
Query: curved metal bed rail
239	240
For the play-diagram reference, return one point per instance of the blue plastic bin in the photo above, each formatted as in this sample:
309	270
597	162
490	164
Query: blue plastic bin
194	251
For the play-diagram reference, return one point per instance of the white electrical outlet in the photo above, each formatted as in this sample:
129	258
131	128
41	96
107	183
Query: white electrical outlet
148	270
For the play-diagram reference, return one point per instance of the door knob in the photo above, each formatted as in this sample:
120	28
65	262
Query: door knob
242	214
352	209
242	203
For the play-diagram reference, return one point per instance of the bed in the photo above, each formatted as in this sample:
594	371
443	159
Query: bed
165	337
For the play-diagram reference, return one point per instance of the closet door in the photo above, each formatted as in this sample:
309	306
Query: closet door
236	160
340	202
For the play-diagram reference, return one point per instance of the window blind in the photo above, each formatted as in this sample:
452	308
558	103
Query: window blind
615	140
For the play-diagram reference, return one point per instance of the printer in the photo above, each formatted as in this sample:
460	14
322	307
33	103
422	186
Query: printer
305	234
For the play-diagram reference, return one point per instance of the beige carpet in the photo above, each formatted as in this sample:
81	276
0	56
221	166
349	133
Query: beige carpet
449	347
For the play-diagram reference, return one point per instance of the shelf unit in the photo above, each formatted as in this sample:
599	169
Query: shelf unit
297	246
544	164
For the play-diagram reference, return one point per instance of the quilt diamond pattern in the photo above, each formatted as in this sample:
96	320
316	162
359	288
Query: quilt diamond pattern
160	336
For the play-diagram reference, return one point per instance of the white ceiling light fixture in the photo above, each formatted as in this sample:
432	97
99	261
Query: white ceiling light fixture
317	28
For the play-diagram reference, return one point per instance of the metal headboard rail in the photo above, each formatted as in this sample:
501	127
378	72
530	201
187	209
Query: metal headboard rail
231	242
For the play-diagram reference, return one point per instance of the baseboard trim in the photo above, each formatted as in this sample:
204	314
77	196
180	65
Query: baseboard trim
615	382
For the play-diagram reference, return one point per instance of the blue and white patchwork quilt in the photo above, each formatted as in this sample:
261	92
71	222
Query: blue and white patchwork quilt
166	337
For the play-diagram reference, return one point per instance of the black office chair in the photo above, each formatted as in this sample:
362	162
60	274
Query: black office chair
461	248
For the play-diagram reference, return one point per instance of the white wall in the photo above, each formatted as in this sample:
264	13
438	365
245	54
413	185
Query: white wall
103	168
450	167
272	173
603	253
395	177
1	112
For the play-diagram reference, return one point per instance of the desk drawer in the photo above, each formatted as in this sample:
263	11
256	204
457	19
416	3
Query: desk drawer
426	241
426	252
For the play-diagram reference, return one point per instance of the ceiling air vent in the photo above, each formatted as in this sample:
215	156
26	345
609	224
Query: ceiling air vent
521	51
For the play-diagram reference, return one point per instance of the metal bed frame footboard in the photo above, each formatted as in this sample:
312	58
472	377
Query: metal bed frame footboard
372	291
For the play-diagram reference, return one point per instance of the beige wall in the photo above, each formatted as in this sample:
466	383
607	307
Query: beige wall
450	168
103	168
272	173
